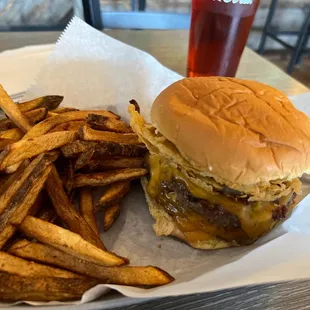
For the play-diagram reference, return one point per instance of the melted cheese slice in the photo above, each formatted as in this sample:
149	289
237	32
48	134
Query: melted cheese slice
255	217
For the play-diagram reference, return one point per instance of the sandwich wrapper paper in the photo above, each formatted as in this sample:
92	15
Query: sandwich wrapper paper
93	71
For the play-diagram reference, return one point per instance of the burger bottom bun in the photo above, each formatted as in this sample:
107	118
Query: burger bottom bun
165	226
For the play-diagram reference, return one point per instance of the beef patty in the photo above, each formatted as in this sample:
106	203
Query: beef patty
213	213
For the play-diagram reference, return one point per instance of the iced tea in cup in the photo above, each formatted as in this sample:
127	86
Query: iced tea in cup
218	34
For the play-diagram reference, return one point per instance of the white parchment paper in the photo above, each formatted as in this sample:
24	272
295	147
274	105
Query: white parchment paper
93	71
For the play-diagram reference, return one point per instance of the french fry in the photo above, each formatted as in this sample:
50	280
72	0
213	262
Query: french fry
88	134
6	142
23	149
68	242
15	288
11	178
33	116
21	267
103	149
111	214
38	164
10	108
110	163
14	134
70	177
113	195
87	209
64	110
49	123
69	126
108	177
47	213
125	275
135	104
36	115
48	102
21	205
101	122
83	159
67	212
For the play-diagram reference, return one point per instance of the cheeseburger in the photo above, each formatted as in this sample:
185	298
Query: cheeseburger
225	157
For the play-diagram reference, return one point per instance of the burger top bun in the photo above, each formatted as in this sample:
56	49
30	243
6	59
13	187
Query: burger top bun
235	130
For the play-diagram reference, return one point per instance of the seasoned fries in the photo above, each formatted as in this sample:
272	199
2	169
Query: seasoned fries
83	159
87	209
103	149
48	124
106	123
88	134
111	214
11	178
11	109
40	163
33	117
113	195
110	163
135	104
20	206
67	212
42	146
108	177
14	134
126	275
23	149
64	110
16	288
68	242
20	267
48	102
69	126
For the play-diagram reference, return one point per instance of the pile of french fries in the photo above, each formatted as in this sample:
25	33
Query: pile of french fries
51	158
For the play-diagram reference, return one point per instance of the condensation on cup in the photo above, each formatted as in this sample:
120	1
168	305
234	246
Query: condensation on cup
218	34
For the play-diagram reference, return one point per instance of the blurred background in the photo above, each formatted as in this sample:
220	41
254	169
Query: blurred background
287	22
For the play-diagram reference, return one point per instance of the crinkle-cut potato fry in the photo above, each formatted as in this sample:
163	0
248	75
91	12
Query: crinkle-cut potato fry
125	275
69	126
10	108
87	209
101	122
114	194
111	214
21	267
23	149
108	177
88	134
68	242
14	134
51	122
103	149
39	163
21	205
67	212
48	102
109	163
16	288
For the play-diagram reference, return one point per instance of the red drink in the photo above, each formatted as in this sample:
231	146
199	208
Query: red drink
218	34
